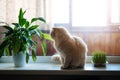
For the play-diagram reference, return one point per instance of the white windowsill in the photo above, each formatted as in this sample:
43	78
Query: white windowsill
45	66
8	59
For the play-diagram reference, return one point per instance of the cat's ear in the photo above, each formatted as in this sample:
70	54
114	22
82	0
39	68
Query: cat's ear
54	28
64	29
53	31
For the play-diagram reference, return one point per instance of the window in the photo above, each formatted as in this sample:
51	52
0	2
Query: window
103	15
73	16
86	13
89	13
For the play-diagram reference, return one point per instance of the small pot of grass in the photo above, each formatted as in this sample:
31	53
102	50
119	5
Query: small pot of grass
99	59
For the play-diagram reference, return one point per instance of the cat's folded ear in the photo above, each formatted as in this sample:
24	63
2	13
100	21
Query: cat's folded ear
54	28
52	32
58	27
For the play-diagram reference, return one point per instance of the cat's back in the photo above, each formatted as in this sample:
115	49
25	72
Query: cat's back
80	43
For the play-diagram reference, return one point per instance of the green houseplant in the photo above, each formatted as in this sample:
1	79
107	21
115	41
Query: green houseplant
19	38
99	59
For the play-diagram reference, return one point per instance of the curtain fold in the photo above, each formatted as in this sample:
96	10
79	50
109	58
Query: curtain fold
43	9
2	10
35	8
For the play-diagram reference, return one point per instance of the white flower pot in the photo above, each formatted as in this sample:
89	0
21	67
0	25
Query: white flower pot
19	59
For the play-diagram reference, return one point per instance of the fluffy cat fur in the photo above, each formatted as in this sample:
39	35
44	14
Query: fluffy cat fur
71	50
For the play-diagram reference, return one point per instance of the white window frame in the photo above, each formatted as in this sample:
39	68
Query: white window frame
112	27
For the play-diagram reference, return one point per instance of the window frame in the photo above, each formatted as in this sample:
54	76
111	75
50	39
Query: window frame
112	27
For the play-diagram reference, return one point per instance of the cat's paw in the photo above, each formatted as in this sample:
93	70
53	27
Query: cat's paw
64	67
75	67
56	58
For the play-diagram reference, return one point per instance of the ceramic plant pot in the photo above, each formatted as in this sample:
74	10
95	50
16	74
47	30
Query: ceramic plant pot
19	59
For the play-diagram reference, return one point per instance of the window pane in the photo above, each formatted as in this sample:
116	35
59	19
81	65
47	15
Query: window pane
89	13
115	11
60	11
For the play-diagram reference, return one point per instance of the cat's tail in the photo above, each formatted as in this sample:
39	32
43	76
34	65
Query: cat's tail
56	58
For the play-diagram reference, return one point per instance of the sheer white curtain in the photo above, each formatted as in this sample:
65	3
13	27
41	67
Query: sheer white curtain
43	8
9	10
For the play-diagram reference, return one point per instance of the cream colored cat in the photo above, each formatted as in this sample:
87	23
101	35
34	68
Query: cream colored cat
72	50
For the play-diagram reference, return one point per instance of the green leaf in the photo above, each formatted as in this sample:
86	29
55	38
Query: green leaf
33	55
44	47
35	32
3	46
4	43
31	42
7	51
24	38
22	22
27	24
20	15
8	33
33	27
47	37
16	24
16	46
38	34
8	28
21	18
1	52
24	12
27	57
40	18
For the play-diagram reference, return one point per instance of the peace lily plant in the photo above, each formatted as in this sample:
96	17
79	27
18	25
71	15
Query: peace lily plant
20	37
